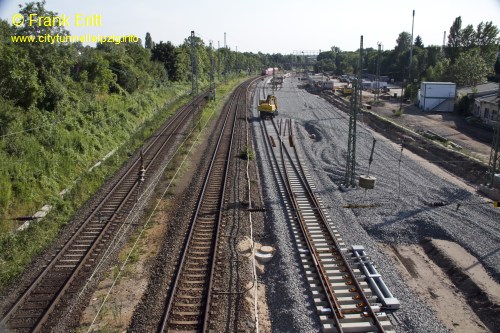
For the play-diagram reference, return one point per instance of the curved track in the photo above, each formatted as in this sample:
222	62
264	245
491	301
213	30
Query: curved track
72	264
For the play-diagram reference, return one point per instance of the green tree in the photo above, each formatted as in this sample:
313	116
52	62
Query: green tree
468	37
454	39
93	71
53	62
165	53
148	43
33	28
438	72
469	69
487	34
17	80
325	62
488	41
418	42
182	66
403	42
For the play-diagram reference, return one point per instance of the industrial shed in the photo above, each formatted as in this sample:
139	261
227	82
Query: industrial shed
437	96
486	108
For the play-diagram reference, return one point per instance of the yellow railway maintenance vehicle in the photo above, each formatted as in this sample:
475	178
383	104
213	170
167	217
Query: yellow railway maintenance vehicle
268	107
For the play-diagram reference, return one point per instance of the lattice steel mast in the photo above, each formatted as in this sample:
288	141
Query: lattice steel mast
211	74
194	66
355	106
377	79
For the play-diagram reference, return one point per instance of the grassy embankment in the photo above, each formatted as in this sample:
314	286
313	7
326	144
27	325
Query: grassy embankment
140	249
36	166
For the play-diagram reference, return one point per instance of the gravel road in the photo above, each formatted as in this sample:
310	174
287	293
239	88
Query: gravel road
411	203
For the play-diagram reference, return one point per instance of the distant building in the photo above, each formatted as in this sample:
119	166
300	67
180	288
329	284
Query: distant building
373	77
479	90
320	81
371	85
486	108
437	96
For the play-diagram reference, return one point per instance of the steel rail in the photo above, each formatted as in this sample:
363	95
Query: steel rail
200	205
323	221
337	314
243	91
176	120
325	284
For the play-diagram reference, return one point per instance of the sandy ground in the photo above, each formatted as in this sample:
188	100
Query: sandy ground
476	141
436	279
428	279
117	312
471	267
433	285
421	273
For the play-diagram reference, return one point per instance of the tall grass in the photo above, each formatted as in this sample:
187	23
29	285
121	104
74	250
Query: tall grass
36	166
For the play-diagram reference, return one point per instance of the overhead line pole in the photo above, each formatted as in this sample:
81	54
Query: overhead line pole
411	44
212	83
411	54
377	80
226	59
351	141
494	164
194	67
218	60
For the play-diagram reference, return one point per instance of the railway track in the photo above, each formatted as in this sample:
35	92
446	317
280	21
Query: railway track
189	299
73	263
343	299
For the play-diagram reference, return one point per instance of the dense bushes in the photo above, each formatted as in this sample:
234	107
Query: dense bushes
63	107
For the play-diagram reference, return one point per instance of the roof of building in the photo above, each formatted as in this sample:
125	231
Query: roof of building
319	78
480	88
491	98
443	83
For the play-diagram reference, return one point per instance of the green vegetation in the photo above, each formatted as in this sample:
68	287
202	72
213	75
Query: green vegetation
247	153
399	112
469	58
65	106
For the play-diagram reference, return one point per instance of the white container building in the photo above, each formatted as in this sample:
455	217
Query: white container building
437	96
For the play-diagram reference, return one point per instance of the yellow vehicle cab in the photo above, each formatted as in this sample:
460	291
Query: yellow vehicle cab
268	107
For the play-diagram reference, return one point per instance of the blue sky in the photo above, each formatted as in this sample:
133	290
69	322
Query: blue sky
275	26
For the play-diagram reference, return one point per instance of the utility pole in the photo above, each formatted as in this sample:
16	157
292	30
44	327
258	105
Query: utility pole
410	81
273	81
442	46
353	112
494	164
411	44
226	59
236	62
377	79
218	60
303	65
211	75
194	67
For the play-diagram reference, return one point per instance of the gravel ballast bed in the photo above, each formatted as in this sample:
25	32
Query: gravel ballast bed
291	307
406	218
